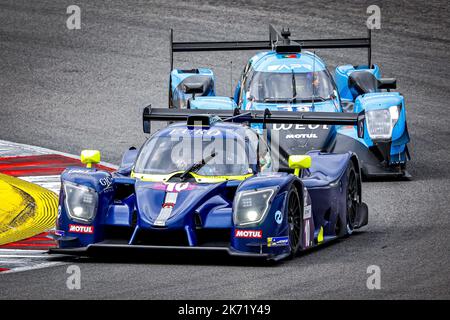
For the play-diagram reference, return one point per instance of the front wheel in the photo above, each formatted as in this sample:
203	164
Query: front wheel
294	211
353	197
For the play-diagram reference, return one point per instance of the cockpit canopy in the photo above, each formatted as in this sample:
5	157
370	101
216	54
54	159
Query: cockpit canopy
264	86
225	152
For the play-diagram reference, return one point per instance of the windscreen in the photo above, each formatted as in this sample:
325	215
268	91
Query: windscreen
269	86
169	154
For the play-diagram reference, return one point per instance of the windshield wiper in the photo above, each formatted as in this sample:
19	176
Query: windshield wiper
285	100
294	87
295	100
196	166
315	99
280	100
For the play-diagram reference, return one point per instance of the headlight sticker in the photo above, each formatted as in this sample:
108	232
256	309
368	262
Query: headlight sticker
380	122
251	206
80	202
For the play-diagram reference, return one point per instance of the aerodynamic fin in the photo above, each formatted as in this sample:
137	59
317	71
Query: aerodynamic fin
278	41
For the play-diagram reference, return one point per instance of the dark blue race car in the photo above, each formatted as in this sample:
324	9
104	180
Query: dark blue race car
207	183
285	76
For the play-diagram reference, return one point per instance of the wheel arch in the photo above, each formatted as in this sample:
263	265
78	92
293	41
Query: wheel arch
297	183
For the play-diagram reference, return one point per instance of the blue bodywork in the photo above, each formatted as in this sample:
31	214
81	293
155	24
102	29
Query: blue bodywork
202	216
207	103
178	78
380	157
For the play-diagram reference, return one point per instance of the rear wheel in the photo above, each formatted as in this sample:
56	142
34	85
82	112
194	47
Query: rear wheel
294	211
353	197
170	93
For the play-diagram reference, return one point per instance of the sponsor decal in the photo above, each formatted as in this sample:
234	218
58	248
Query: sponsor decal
250	234
286	126
168	205
76	228
79	171
307	212
302	136
189	132
278	217
277	241
307	235
281	67
59	233
107	184
295	108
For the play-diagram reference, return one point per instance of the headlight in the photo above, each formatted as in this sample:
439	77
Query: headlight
81	202
380	123
251	206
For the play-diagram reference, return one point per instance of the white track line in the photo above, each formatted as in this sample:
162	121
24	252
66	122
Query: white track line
26	260
10	149
52	183
22	256
21	250
34	267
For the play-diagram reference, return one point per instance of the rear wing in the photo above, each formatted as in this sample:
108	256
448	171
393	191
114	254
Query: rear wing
253	116
278	41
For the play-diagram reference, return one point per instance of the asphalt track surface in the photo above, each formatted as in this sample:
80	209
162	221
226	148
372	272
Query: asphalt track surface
69	90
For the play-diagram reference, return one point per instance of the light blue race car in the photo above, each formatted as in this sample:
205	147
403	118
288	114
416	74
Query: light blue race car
284	76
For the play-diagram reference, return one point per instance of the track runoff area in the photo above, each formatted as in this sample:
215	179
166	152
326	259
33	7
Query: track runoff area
29	189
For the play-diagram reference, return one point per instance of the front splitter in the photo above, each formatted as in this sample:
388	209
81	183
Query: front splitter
166	251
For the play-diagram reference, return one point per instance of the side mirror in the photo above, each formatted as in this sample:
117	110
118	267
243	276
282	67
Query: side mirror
128	159
362	82
249	97
387	83
298	162
193	88
334	95
348	105
88	157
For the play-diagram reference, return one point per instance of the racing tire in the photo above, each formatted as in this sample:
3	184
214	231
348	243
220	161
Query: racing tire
294	211
170	93
353	198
